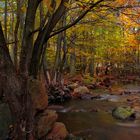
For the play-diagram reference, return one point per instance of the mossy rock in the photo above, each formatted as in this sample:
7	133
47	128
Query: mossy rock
123	113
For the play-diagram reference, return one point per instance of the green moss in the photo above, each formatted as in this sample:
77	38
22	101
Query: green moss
122	113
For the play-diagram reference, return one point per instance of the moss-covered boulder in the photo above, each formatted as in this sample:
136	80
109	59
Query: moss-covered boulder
123	113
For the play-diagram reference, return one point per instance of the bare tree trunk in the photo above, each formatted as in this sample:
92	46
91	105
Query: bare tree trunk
91	64
27	42
58	52
73	58
18	14
43	37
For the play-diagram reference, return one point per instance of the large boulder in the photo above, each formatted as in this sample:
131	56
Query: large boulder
45	123
80	91
38	94
123	113
72	86
58	132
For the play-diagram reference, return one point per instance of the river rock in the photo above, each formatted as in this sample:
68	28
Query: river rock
87	96
45	123
123	113
38	94
72	86
58	132
80	91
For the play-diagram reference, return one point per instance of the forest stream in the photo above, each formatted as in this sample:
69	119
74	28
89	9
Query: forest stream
90	119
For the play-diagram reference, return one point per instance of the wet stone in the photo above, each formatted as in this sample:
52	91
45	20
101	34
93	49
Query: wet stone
124	113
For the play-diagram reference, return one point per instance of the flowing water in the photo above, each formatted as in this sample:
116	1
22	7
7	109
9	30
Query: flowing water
83	120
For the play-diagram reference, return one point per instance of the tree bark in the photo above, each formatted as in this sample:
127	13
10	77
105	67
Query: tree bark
43	37
27	42
5	19
11	86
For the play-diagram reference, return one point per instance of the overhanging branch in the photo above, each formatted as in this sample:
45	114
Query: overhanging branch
77	20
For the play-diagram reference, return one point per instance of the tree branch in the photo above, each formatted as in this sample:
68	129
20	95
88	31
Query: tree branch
77	20
83	14
2	40
43	37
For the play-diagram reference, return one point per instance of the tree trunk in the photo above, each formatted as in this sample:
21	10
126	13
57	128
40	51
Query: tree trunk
73	57
11	86
72	63
16	92
91	67
5	19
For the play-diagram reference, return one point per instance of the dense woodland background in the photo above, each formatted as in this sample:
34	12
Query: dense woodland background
43	43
